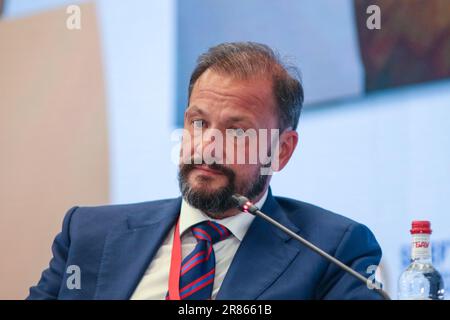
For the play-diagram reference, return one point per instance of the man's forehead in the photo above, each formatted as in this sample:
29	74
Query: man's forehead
225	88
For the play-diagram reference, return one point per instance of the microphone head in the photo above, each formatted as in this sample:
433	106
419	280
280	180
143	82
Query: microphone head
244	204
239	200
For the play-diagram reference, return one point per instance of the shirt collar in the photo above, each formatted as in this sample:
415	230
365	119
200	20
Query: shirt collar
237	224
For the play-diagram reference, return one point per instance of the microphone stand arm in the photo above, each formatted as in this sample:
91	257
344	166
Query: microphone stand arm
245	205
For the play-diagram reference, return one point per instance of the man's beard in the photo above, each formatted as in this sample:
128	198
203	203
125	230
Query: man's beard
215	203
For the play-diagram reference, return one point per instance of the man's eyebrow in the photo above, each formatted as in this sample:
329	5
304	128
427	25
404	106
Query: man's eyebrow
245	120
197	110
194	109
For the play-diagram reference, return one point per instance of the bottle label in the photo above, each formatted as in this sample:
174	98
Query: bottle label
421	248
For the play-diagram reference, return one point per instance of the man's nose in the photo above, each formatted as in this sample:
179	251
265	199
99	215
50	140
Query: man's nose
212	140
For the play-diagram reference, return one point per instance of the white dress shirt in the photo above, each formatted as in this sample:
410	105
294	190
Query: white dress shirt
154	283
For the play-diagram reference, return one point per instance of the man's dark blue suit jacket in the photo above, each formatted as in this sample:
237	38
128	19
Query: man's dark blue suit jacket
113	246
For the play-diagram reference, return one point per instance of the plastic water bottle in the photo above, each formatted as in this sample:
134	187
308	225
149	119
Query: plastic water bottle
421	281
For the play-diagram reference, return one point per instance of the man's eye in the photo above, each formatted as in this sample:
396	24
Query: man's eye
238	132
198	124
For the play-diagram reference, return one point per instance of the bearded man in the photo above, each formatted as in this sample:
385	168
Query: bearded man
200	246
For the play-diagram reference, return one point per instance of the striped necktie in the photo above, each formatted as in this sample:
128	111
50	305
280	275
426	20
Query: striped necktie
198	268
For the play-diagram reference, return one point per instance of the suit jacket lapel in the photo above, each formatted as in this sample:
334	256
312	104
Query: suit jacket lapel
261	258
130	248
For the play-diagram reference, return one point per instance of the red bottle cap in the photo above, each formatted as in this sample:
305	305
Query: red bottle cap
421	227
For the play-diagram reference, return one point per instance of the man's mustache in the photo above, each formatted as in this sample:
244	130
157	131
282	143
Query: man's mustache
187	167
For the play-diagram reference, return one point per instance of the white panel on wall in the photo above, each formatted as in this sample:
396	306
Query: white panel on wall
138	45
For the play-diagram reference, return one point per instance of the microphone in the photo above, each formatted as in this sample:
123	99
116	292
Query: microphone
246	205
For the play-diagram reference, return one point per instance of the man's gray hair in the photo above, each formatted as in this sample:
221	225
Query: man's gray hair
245	60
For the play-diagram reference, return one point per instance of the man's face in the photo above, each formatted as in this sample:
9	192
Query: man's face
217	103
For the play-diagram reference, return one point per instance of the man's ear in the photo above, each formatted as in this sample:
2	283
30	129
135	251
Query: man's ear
288	142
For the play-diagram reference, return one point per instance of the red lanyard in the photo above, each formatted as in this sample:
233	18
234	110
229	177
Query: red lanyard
175	265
